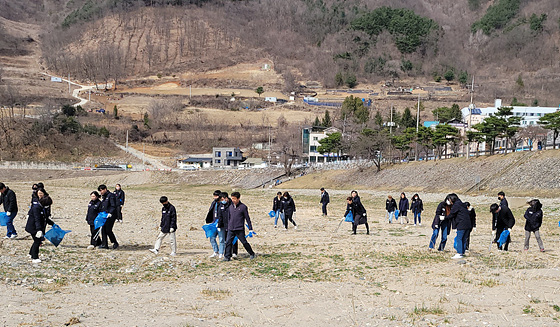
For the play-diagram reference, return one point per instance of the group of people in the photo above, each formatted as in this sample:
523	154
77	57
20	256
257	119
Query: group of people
112	203
452	213
284	208
416	206
230	216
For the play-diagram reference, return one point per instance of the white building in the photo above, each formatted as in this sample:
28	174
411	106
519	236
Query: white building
529	115
310	140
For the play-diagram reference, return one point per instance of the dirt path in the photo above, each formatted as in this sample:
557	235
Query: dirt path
303	277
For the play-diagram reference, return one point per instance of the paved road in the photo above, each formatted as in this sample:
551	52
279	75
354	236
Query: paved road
76	92
155	162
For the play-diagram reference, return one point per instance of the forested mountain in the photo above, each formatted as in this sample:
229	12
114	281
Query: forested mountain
511	46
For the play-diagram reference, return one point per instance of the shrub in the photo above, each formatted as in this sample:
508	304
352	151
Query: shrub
497	16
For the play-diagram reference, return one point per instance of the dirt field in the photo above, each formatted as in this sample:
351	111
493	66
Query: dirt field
305	277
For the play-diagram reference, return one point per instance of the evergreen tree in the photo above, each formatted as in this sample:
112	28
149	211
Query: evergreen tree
327	122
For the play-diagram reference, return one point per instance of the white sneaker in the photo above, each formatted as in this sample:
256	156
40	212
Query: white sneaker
295	227
414	224
419	224
13	236
36	261
221	256
215	254
275	226
457	256
234	256
90	247
285	228
6	237
173	254
154	251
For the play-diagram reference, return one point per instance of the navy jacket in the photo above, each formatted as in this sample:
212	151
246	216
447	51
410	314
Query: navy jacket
223	214
325	198
8	199
120	197
390	205
277	203
504	202
473	217
416	206
36	220
109	204
212	214
459	216
533	220
238	215
504	219
93	211
288	206
168	218
403	206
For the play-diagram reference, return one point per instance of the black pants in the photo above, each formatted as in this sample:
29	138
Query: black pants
34	251
499	231
119	213
107	231
355	228
288	217
95	238
231	234
468	242
324	208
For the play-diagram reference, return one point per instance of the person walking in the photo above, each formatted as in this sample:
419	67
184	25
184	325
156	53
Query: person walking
119	194
212	217
9	202
238	216
277	207
533	221
502	199
223	220
472	214
440	224
325	199
504	220
403	208
417	206
35	226
461	221
390	207
94	207
288	210
108	205
358	212
167	226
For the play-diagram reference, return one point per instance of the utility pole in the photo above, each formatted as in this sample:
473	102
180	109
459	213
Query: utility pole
471	108
391	136
127	140
417	126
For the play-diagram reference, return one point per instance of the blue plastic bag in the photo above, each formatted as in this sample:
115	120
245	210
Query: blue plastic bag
397	212
211	230
56	234
349	217
272	213
251	234
503	237
100	219
3	219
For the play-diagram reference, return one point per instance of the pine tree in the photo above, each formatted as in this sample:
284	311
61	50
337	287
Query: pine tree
327	119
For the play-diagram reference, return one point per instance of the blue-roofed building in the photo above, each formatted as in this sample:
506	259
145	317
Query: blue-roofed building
431	123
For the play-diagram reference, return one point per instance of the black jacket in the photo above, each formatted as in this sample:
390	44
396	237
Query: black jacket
473	217
390	205
325	198
277	203
238	215
533	219
36	220
416	206
403	206
288	206
8	199
503	220
504	202
93	211
212	214
223	214
168	218
109	204
358	211
119	194
440	211
459	216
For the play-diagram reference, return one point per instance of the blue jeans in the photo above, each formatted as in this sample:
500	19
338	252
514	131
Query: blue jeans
10	224
418	214
215	246
391	215
461	240
278	215
443	227
222	234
